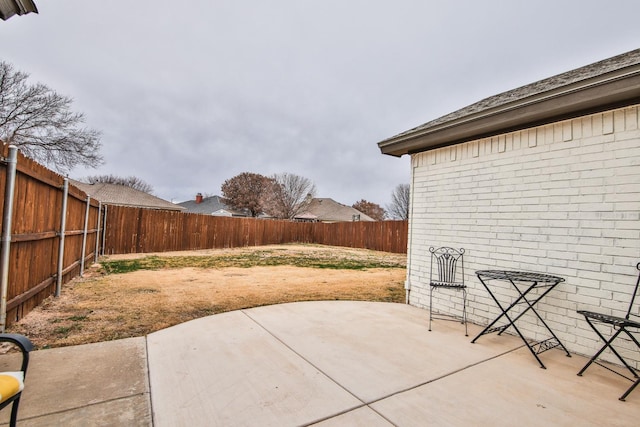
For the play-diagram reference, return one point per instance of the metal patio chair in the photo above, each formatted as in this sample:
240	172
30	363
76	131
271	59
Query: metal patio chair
615	325
12	383
446	275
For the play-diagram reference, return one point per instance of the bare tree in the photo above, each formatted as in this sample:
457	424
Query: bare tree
371	209
400	200
129	181
289	195
40	122
247	191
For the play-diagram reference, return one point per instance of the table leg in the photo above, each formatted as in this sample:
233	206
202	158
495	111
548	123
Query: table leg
530	306
501	329
511	322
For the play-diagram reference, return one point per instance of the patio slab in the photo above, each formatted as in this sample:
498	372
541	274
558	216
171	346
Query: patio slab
318	363
368	364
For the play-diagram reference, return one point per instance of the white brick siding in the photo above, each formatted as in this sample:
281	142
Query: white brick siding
562	199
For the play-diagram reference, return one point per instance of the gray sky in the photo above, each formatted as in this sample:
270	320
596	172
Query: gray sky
189	94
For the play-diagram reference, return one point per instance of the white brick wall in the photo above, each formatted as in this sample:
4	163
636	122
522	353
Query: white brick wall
562	199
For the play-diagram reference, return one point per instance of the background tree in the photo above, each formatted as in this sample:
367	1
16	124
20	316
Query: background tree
40	122
247	191
371	209
289	195
400	199
129	181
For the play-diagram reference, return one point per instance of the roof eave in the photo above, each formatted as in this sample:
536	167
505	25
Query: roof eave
16	7
612	90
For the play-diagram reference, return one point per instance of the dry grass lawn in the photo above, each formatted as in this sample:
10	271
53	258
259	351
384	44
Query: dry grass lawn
134	295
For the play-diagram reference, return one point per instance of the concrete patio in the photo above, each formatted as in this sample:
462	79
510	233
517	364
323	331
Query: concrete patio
318	363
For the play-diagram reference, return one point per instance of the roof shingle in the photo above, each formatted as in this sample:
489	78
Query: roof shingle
121	195
328	210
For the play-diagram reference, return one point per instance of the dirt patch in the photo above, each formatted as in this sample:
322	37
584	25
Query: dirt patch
102	307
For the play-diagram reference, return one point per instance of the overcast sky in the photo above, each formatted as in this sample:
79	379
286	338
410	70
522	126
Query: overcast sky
189	94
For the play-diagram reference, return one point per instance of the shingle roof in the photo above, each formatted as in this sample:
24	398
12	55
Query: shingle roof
328	210
593	87
116	194
209	206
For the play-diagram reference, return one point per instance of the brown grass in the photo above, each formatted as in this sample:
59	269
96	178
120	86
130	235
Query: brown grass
102	307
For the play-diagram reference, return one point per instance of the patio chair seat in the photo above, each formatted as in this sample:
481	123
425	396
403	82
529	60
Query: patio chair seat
448	285
616	321
12	382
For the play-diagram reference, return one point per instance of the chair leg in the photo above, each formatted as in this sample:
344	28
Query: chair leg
607	344
633	371
626	393
14	412
464	311
430	305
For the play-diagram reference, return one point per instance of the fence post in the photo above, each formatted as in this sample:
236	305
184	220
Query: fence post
7	219
84	236
63	227
96	254
104	227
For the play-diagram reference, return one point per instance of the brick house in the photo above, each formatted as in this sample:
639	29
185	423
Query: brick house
542	178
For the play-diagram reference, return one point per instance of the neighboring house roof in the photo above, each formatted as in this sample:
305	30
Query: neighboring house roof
210	206
328	210
306	217
8	8
121	195
611	83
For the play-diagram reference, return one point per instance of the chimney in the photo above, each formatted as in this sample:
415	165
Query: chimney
199	198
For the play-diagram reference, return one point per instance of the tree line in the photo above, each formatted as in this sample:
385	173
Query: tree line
287	195
282	196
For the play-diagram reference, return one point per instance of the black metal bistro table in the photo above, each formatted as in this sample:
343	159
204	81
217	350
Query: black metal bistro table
524	283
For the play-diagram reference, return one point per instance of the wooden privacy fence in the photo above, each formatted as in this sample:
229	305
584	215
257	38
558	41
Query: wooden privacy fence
137	230
49	231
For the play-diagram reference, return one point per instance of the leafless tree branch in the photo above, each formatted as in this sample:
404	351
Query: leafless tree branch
40	122
129	181
289	195
400	199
